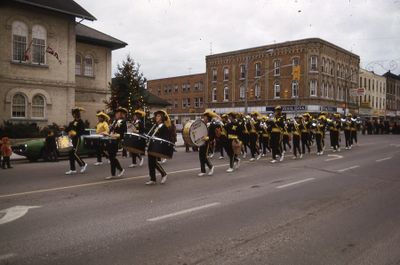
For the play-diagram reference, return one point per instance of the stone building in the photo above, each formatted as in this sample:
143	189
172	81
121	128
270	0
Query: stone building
186	95
50	63
373	103
392	95
262	77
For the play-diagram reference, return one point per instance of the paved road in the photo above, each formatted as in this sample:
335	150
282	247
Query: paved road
340	208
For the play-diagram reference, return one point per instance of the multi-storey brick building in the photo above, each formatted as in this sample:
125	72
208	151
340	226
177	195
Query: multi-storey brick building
373	102
392	94
185	94
262	78
50	63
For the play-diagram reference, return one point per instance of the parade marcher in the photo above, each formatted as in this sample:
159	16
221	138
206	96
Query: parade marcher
231	130
296	136
347	124
275	127
355	126
334	126
305	133
102	128
117	130
162	123
286	138
203	150
137	127
6	153
50	147
254	127
319	134
244	134
75	130
264	136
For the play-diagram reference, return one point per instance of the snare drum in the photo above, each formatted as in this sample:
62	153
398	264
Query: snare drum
109	144
194	133
160	148
135	143
64	144
92	141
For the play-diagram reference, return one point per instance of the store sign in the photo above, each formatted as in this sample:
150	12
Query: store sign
328	109
287	108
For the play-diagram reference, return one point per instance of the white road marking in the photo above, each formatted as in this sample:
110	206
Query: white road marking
14	213
334	157
395	145
349	168
7	256
383	159
294	183
183	212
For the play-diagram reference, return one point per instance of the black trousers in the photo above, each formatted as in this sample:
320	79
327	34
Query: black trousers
203	156
275	144
6	162
354	136
153	165
335	139
305	142
253	144
296	144
73	155
347	137
265	144
114	162
100	152
219	145
134	156
229	150
246	142
318	138
286	141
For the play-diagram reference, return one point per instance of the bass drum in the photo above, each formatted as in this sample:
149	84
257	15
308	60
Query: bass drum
92	141
160	148
194	133
64	144
135	143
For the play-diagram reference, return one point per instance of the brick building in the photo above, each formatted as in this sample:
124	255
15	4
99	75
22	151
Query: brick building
186	95
50	63
373	103
327	73
392	94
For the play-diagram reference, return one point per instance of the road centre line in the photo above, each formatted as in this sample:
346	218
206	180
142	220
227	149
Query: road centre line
294	183
158	218
348	168
383	159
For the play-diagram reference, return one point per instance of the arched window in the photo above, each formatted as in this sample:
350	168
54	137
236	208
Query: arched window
295	89
277	69
39	37
214	94
18	108
38	106
78	64
277	90
257	91
88	70
226	93
242	92
19	39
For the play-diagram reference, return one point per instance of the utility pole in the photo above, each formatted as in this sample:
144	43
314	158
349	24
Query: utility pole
246	104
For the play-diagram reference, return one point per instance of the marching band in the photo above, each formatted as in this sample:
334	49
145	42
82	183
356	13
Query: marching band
234	133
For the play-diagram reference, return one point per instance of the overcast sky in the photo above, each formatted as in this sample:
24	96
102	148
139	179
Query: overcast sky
172	37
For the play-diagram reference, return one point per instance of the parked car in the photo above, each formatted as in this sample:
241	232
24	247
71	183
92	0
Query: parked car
33	149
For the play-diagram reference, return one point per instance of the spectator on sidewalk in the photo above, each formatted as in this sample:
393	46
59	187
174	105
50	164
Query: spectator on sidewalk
6	152
50	147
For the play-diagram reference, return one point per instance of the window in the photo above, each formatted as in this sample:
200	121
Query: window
19	37
313	88
327	90
214	94
186	103
313	63
257	91
331	91
226	73
242	92
175	104
242	71
295	61
323	68
214	75
38	106
295	89
39	36
277	90
18	106
332	68
88	70
258	69
323	90
277	70
176	88
78	64
226	93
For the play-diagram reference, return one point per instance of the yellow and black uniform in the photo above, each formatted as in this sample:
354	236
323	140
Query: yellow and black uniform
334	126
264	136
117	130
305	126
296	134
275	128
138	126
75	130
319	134
253	126
203	150
231	130
161	131
101	128
286	137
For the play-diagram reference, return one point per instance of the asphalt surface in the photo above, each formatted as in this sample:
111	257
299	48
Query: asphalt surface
339	208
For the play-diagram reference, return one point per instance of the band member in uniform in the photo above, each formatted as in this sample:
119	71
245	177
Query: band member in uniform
286	138
264	136
254	127
231	130
75	130
334	130
203	150
296	136
162	123
102	128
276	126
319	134
305	133
117	130
138	127
347	131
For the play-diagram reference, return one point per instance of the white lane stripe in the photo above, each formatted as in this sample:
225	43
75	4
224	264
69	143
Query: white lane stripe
383	159
349	168
7	256
294	183
183	212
